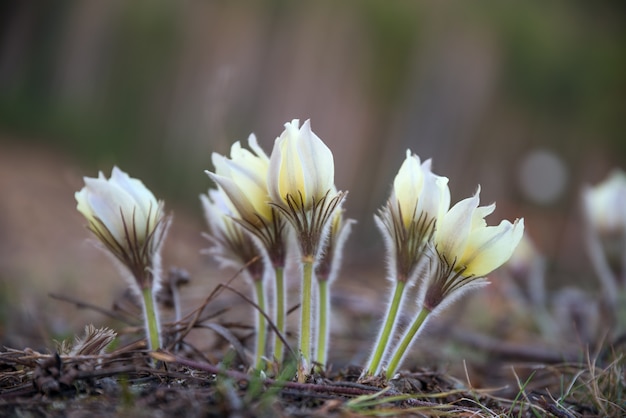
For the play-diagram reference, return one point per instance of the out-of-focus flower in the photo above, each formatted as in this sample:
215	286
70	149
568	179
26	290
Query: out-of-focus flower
302	167
525	272
126	218
604	207
605	204
232	246
468	249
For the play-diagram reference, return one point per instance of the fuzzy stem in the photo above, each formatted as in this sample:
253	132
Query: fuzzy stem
322	323
279	320
151	319
389	325
406	341
261	325
305	317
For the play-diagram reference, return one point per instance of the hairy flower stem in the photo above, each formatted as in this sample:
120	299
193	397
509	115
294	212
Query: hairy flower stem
305	318
406	341
389	325
279	320
261	326
322	324
151	319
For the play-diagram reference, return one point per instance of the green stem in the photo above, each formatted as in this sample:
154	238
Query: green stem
261	325
305	315
389	325
151	320
279	320
406	341
322	323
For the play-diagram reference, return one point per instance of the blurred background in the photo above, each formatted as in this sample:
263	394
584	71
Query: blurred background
527	99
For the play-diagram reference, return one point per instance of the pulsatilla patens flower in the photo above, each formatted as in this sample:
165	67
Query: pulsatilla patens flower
300	182
301	185
419	198
126	218
129	221
468	249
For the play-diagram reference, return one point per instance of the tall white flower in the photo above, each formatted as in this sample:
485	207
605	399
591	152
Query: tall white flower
301	185
126	217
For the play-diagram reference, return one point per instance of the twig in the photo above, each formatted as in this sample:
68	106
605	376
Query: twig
84	305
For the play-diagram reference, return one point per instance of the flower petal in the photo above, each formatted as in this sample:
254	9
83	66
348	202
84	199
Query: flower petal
490	247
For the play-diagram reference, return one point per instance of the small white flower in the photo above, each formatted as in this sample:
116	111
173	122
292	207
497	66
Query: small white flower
126	217
463	238
417	191
112	205
418	201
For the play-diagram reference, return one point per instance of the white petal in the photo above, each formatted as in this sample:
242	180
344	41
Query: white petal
488	248
143	198
453	232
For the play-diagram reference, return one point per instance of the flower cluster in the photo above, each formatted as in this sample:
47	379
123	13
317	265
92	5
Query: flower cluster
266	207
291	190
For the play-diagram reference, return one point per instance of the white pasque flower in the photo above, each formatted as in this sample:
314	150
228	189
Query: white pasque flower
468	250
243	178
605	204
302	168
464	239
125	216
